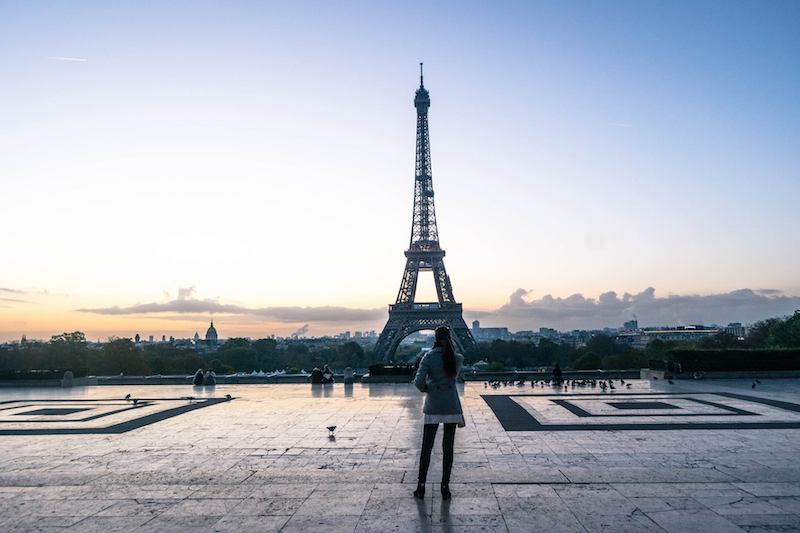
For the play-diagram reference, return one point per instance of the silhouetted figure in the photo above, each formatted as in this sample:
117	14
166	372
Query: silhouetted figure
327	374
436	377
557	375
316	376
210	379
198	378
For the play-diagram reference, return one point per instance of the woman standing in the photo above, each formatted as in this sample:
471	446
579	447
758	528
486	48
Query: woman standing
436	376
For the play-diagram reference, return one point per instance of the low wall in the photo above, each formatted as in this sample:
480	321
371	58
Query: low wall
567	374
76	382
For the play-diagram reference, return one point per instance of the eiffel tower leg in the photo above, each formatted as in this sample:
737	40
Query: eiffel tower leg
408	287
462	334
444	290
389	339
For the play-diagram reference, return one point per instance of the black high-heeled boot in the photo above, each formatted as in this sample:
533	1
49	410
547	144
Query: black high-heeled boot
420	492
446	491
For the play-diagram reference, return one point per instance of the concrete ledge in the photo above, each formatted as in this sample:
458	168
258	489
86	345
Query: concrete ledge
366	378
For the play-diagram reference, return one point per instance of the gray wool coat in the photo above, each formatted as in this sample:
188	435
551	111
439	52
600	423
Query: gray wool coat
441	396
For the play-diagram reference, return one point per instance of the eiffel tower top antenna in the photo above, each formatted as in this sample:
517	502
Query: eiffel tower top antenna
420	76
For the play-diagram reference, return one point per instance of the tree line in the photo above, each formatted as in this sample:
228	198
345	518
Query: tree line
70	351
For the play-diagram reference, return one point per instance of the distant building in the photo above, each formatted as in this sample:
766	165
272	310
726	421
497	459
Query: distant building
548	333
684	334
526	336
489	334
211	335
196	337
735	329
631	325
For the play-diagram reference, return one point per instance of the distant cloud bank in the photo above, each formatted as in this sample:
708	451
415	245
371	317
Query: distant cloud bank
186	303
521	311
609	309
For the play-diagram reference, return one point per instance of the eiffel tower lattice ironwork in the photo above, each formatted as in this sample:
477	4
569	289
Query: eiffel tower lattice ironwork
423	255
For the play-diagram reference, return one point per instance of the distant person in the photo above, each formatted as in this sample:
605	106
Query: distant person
436	377
327	374
316	376
198	378
210	379
558	377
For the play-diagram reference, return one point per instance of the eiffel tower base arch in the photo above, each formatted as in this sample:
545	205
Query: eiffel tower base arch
405	319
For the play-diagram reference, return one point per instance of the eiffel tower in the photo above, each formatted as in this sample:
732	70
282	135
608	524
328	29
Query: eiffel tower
423	255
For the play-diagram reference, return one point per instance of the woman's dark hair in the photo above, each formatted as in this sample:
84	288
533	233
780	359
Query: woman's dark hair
445	342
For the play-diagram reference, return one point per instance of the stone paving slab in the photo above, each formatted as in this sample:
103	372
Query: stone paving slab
264	460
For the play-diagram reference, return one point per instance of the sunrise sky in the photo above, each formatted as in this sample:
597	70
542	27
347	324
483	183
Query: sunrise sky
162	164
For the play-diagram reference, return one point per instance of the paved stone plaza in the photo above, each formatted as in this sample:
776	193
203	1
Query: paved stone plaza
694	456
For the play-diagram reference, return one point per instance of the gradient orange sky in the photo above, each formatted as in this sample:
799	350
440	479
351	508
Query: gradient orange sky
262	156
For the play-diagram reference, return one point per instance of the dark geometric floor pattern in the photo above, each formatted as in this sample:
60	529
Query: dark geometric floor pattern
514	416
92	416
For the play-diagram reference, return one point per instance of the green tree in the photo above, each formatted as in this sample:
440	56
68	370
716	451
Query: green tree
350	354
241	358
67	351
588	361
122	356
785	333
220	368
601	344
623	361
547	352
718	341
758	334
495	366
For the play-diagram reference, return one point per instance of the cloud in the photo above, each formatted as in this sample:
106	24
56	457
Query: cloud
186	293
12	291
768	292
15	300
70	59
300	332
522	311
621	124
187	304
611	310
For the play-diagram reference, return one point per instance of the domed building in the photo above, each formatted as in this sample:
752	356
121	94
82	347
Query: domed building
211	335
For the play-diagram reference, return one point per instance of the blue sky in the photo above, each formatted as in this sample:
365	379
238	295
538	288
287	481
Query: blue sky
263	154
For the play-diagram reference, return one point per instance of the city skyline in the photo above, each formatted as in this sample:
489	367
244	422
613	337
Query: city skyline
164	166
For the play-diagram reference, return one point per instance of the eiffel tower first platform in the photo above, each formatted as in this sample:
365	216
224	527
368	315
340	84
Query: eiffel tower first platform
423	255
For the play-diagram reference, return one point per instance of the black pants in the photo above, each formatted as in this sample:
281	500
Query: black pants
428	436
